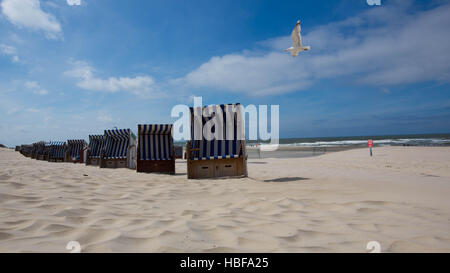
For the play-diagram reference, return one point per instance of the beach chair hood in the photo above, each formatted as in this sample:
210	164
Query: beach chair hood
96	145
227	128
74	147
117	143
155	142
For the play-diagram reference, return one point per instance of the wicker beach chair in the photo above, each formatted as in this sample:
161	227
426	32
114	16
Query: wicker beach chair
119	150
96	145
26	150
33	150
57	151
75	148
38	150
225	154
46	151
155	151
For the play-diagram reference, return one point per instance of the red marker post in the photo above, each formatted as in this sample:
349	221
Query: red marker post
370	144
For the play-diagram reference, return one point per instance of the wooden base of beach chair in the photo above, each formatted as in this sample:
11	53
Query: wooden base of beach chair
215	168
114	163
56	160
156	166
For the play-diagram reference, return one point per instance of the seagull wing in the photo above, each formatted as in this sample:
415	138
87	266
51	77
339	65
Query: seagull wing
296	38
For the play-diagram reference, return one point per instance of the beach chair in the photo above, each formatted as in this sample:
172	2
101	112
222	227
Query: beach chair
155	151
119	150
96	145
74	151
17	149
38	152
26	150
34	150
57	151
46	151
225	154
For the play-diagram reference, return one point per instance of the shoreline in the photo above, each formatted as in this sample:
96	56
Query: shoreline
295	151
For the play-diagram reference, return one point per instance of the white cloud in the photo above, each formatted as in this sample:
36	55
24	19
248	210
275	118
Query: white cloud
381	47
41	92
102	116
74	2
28	13
35	88
31	85
271	73
9	51
141	85
34	110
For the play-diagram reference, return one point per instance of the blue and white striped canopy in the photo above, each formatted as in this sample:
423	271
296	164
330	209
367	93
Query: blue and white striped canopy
96	144
57	149
155	129
74	147
155	141
38	147
46	149
225	122
117	142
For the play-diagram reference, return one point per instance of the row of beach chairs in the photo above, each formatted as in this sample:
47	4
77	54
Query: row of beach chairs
153	149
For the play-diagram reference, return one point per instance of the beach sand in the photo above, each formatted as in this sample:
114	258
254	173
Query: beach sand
336	202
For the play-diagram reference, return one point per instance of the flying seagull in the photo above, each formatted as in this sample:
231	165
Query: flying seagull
297	42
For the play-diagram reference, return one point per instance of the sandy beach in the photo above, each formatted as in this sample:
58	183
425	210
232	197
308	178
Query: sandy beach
336	202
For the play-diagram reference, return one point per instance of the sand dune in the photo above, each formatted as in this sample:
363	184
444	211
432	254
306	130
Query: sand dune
336	202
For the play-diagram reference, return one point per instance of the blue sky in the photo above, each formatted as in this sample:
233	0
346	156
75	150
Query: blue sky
70	68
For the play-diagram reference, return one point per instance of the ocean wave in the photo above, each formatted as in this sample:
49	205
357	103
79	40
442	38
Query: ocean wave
379	142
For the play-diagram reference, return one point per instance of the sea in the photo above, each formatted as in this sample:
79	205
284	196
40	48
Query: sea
307	147
361	141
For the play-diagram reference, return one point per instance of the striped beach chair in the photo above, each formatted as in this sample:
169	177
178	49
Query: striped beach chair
34	150
96	145
46	151
75	150
57	151
119	150
26	150
155	151
38	150
223	155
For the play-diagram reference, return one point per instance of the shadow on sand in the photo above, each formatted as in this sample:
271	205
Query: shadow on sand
286	179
